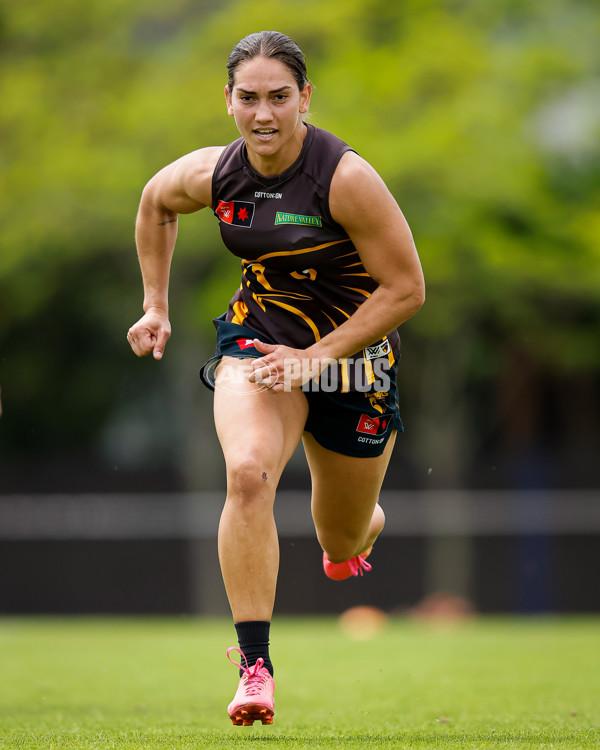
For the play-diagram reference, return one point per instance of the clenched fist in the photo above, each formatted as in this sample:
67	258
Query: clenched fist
150	334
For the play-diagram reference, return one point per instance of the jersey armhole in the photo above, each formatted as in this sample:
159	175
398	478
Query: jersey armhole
228	151
214	180
335	166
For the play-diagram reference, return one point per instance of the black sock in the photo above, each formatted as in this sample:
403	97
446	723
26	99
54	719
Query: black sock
253	638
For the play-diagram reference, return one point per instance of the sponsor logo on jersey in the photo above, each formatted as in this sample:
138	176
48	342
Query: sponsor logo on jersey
261	194
239	213
378	350
312	221
244	343
371	425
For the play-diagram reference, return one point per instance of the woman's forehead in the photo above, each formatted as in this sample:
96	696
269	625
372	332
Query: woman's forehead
263	73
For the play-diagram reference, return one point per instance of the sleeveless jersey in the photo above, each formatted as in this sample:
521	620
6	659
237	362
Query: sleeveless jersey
301	275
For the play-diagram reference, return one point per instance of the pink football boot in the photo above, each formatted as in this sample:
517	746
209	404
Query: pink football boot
253	700
352	567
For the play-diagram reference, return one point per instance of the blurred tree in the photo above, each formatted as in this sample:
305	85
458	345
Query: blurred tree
482	117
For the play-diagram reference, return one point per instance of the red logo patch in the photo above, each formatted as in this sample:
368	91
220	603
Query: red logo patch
225	211
238	213
371	425
244	343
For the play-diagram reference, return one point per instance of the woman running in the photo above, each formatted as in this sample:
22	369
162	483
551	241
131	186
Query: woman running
308	347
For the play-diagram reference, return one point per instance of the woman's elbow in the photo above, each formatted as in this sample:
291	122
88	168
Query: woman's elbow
415	299
419	297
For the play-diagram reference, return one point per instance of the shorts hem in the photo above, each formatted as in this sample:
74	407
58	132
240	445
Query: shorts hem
372	451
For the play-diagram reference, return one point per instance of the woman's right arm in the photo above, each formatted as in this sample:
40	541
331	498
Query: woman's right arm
180	188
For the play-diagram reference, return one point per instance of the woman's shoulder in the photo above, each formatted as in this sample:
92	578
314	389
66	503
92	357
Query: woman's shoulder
191	175
357	189
324	154
325	139
203	159
230	159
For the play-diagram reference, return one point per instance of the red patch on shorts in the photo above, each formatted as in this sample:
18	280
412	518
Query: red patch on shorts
371	425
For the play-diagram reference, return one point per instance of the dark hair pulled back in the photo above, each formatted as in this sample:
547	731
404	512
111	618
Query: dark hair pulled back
269	44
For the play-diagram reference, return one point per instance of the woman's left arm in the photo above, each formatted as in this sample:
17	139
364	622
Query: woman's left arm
361	203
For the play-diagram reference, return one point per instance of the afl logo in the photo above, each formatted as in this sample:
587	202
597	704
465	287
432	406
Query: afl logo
371	425
378	350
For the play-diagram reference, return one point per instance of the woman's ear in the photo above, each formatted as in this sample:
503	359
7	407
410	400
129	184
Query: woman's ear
228	100
305	95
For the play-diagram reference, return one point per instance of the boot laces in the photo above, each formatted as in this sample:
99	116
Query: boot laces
252	677
358	565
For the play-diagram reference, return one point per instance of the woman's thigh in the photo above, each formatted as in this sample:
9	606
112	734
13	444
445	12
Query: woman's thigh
345	489
258	428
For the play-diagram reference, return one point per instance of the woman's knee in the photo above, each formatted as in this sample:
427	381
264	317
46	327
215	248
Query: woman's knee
251	481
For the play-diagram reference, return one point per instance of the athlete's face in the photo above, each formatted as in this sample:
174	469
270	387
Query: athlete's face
268	107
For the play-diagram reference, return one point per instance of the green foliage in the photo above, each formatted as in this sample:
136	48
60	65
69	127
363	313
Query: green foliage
483	118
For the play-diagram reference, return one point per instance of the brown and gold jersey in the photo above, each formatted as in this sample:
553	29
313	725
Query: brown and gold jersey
301	275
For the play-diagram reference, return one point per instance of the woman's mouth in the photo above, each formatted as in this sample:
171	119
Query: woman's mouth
265	133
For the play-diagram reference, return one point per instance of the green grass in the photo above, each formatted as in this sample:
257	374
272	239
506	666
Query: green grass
165	683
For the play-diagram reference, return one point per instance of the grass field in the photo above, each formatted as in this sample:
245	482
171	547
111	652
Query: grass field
165	683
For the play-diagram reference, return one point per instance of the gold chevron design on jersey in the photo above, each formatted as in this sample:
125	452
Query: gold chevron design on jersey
368	365
300	314
259	271
360	291
356	274
308	274
340	310
288	295
331	320
240	312
345	376
279	253
259	301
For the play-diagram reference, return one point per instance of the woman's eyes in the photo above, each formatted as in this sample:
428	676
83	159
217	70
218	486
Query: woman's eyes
247	99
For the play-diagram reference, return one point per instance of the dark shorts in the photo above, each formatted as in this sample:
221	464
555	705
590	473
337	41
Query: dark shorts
357	423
